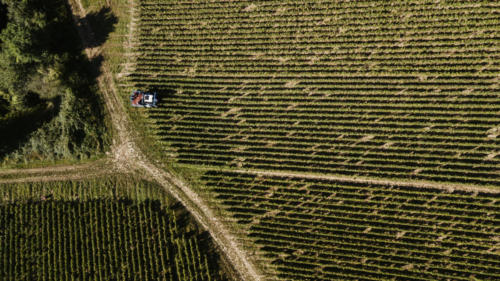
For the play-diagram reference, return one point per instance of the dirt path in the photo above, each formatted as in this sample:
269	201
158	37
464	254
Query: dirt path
125	157
57	173
62	168
75	175
417	184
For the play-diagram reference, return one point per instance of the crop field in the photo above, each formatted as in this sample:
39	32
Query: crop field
392	89
101	229
313	229
276	105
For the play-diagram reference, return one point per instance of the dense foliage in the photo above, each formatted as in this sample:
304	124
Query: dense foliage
394	89
99	230
48	103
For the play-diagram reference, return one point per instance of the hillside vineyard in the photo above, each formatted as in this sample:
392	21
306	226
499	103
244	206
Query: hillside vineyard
392	89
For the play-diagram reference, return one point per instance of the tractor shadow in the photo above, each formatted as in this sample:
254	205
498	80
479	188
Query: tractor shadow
164	94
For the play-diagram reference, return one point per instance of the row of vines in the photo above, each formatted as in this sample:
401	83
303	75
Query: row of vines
102	229
314	229
393	89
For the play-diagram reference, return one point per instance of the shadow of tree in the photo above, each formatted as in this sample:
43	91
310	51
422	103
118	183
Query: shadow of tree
3	16
21	124
102	23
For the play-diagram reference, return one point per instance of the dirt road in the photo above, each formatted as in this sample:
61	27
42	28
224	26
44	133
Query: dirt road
62	168
418	184
125	156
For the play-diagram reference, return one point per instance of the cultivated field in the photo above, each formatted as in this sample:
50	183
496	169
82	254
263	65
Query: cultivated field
279	104
101	229
390	89
314	229
310	139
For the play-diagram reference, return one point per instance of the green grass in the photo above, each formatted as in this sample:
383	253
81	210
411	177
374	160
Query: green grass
109	21
116	54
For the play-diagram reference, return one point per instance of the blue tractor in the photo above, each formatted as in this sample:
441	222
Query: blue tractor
143	99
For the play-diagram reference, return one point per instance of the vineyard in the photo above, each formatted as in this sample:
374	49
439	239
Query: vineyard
310	139
274	105
101	229
313	229
393	89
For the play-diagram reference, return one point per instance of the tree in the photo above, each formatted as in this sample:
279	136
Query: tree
25	45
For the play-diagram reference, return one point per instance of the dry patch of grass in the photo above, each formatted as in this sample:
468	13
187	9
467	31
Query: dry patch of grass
291	84
250	8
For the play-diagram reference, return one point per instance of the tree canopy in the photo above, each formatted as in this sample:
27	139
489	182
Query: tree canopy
48	101
32	39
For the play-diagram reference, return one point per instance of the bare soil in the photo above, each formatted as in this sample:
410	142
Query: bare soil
62	168
418	184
